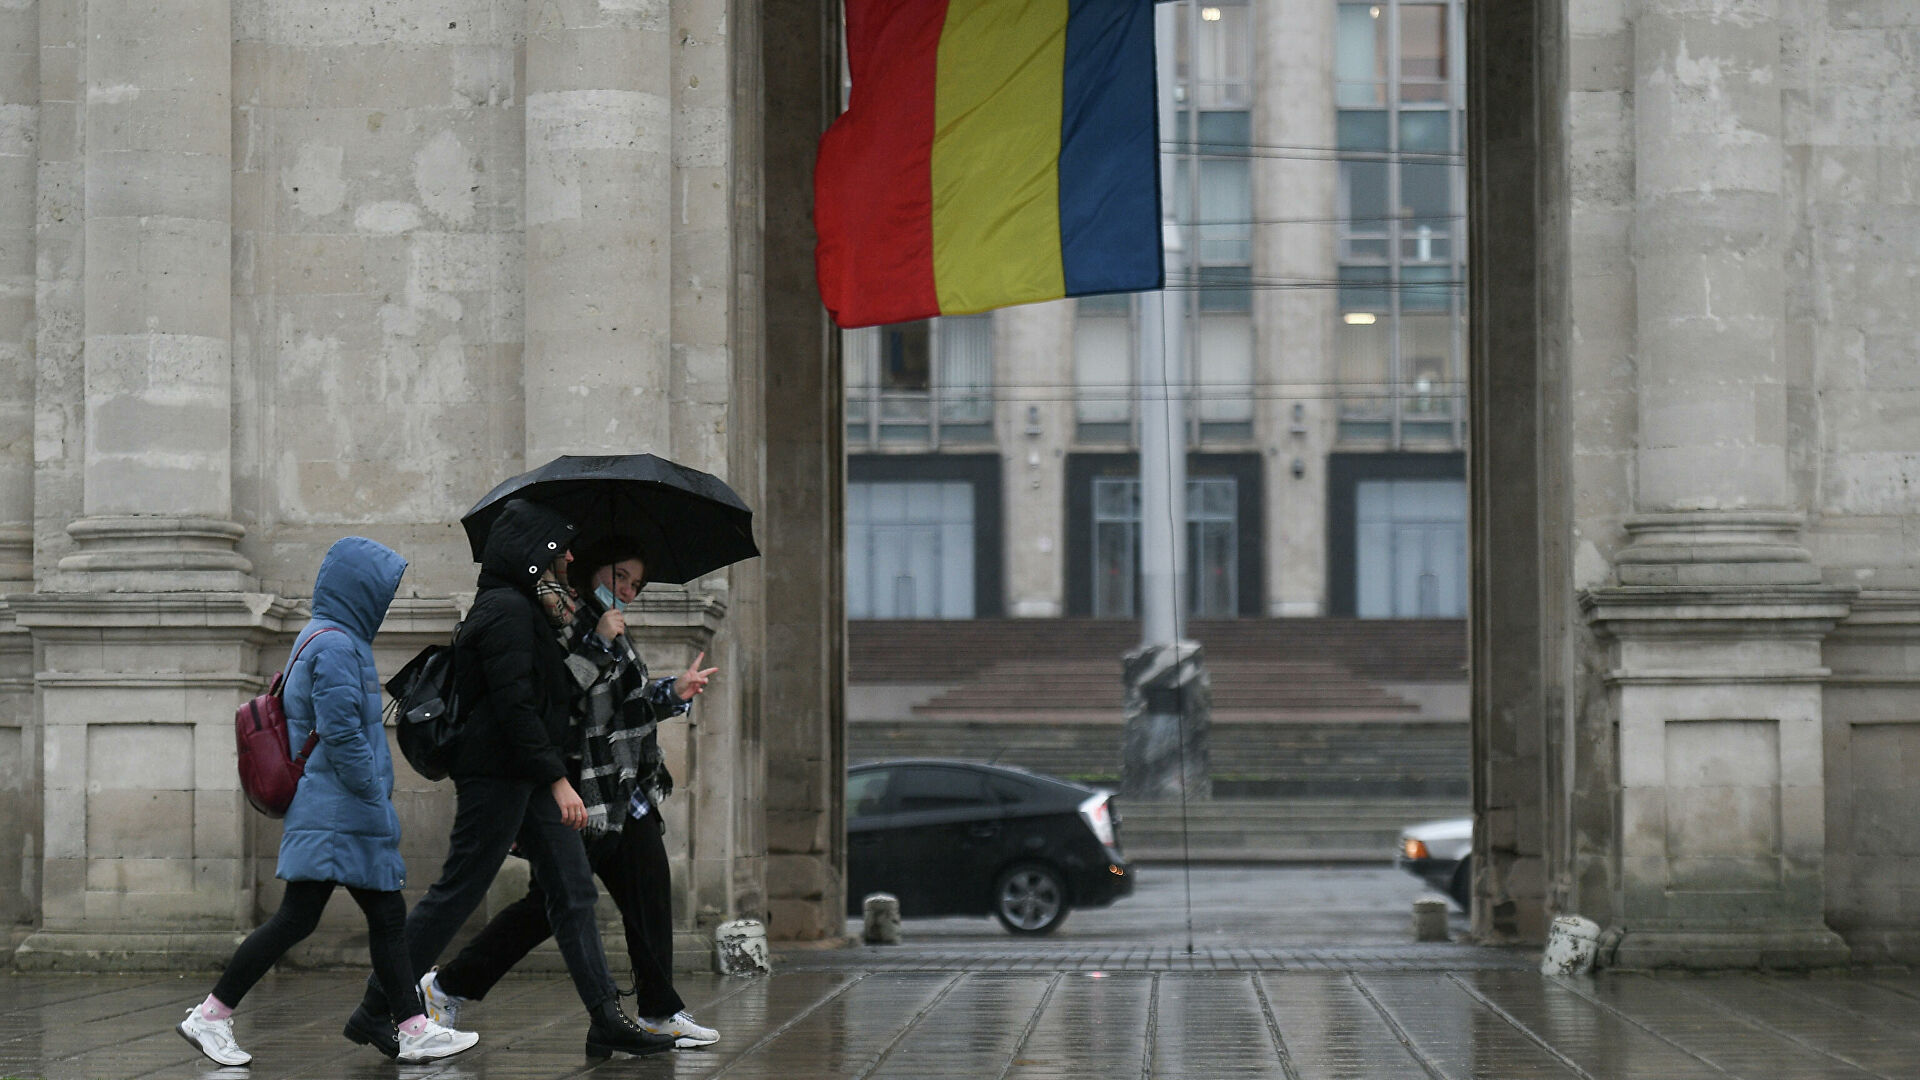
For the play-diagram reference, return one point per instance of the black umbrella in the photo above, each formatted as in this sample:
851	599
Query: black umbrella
690	523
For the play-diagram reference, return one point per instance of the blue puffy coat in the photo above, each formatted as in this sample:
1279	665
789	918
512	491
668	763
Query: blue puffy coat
342	826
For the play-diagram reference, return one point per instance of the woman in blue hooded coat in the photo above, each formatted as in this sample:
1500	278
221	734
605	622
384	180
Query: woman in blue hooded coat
341	828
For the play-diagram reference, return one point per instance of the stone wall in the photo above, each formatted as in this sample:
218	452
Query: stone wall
272	274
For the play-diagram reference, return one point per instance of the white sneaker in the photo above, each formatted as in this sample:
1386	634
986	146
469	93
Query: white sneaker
213	1038
435	1042
442	1008
685	1031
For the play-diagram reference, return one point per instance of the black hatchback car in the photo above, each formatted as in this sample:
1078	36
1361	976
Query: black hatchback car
963	838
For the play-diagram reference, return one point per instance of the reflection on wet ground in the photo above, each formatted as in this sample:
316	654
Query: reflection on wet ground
1027	1020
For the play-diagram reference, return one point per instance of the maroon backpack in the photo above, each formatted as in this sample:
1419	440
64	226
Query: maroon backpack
267	775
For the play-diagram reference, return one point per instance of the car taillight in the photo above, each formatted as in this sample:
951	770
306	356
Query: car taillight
1099	817
1415	849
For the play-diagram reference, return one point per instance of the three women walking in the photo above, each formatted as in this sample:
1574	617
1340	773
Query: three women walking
554	705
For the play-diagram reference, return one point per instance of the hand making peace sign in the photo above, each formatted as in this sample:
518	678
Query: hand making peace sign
693	680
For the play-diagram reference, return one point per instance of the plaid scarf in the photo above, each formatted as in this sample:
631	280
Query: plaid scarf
618	711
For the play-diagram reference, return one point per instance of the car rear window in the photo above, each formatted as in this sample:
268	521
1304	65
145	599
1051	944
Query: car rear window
939	789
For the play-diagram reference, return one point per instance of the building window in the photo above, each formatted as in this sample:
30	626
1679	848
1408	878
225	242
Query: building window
1400	343
1103	370
1213	557
924	383
910	550
1411	560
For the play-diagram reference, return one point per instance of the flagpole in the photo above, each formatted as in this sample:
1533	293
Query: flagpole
1165	754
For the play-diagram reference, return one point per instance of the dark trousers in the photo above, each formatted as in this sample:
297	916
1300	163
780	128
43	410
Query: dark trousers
299	913
490	813
633	865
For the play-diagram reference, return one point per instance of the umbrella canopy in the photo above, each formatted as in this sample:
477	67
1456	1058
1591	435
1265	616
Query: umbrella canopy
690	522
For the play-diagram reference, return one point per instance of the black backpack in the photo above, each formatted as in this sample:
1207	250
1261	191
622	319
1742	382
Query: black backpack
427	711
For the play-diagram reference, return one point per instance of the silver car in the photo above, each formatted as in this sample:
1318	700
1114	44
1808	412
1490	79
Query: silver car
1440	853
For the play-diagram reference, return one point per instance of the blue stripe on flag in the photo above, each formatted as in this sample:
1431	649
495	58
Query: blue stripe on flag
1109	150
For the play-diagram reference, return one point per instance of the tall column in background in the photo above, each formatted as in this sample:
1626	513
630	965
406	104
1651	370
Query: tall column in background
599	295
1032	353
1716	625
1295	336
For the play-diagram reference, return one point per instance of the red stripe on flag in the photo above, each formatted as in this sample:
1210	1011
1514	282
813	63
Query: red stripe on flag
873	182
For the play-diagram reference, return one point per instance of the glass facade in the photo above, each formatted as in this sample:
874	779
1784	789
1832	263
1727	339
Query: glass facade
1400	341
910	550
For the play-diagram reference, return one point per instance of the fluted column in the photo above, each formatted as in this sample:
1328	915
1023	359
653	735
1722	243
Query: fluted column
599	228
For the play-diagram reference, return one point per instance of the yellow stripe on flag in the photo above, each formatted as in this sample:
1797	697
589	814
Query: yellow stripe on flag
996	154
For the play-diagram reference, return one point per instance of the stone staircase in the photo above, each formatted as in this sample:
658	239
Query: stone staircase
1315	755
947	651
1334	760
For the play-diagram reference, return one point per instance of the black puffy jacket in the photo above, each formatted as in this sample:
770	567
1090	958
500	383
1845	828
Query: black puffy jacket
508	665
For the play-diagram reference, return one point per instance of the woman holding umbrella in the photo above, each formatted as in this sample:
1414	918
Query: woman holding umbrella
620	773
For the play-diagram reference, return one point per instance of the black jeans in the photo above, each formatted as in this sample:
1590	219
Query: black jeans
490	814
633	865
299	913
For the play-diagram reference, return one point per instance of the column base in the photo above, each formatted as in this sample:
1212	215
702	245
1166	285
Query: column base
94	950
155	554
1793	949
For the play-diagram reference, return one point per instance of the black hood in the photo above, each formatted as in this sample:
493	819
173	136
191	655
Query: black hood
525	539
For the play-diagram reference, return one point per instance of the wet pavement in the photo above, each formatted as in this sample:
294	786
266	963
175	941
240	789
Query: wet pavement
1296	975
1057	1025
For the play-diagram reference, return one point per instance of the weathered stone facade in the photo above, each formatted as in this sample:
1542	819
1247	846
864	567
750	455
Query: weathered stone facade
273	272
1695	342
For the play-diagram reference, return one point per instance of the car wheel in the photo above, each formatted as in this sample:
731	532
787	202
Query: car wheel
1030	898
1461	887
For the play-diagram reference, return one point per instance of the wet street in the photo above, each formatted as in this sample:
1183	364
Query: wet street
1270	988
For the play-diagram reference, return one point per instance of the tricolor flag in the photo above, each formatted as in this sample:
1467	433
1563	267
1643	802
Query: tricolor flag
993	152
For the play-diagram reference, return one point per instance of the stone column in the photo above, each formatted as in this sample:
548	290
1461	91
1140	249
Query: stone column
802	703
1714	630
1295	326
147	635
599	296
19	159
1033	347
19	742
158	301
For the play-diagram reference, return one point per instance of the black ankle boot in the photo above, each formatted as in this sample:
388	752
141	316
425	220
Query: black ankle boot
378	1032
613	1032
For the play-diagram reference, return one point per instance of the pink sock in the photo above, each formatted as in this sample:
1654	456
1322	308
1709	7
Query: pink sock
212	1009
415	1024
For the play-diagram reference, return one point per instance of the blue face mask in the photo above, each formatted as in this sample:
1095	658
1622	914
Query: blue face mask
608	601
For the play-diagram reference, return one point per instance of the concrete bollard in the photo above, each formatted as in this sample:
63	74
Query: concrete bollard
1429	919
740	948
881	912
1571	944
